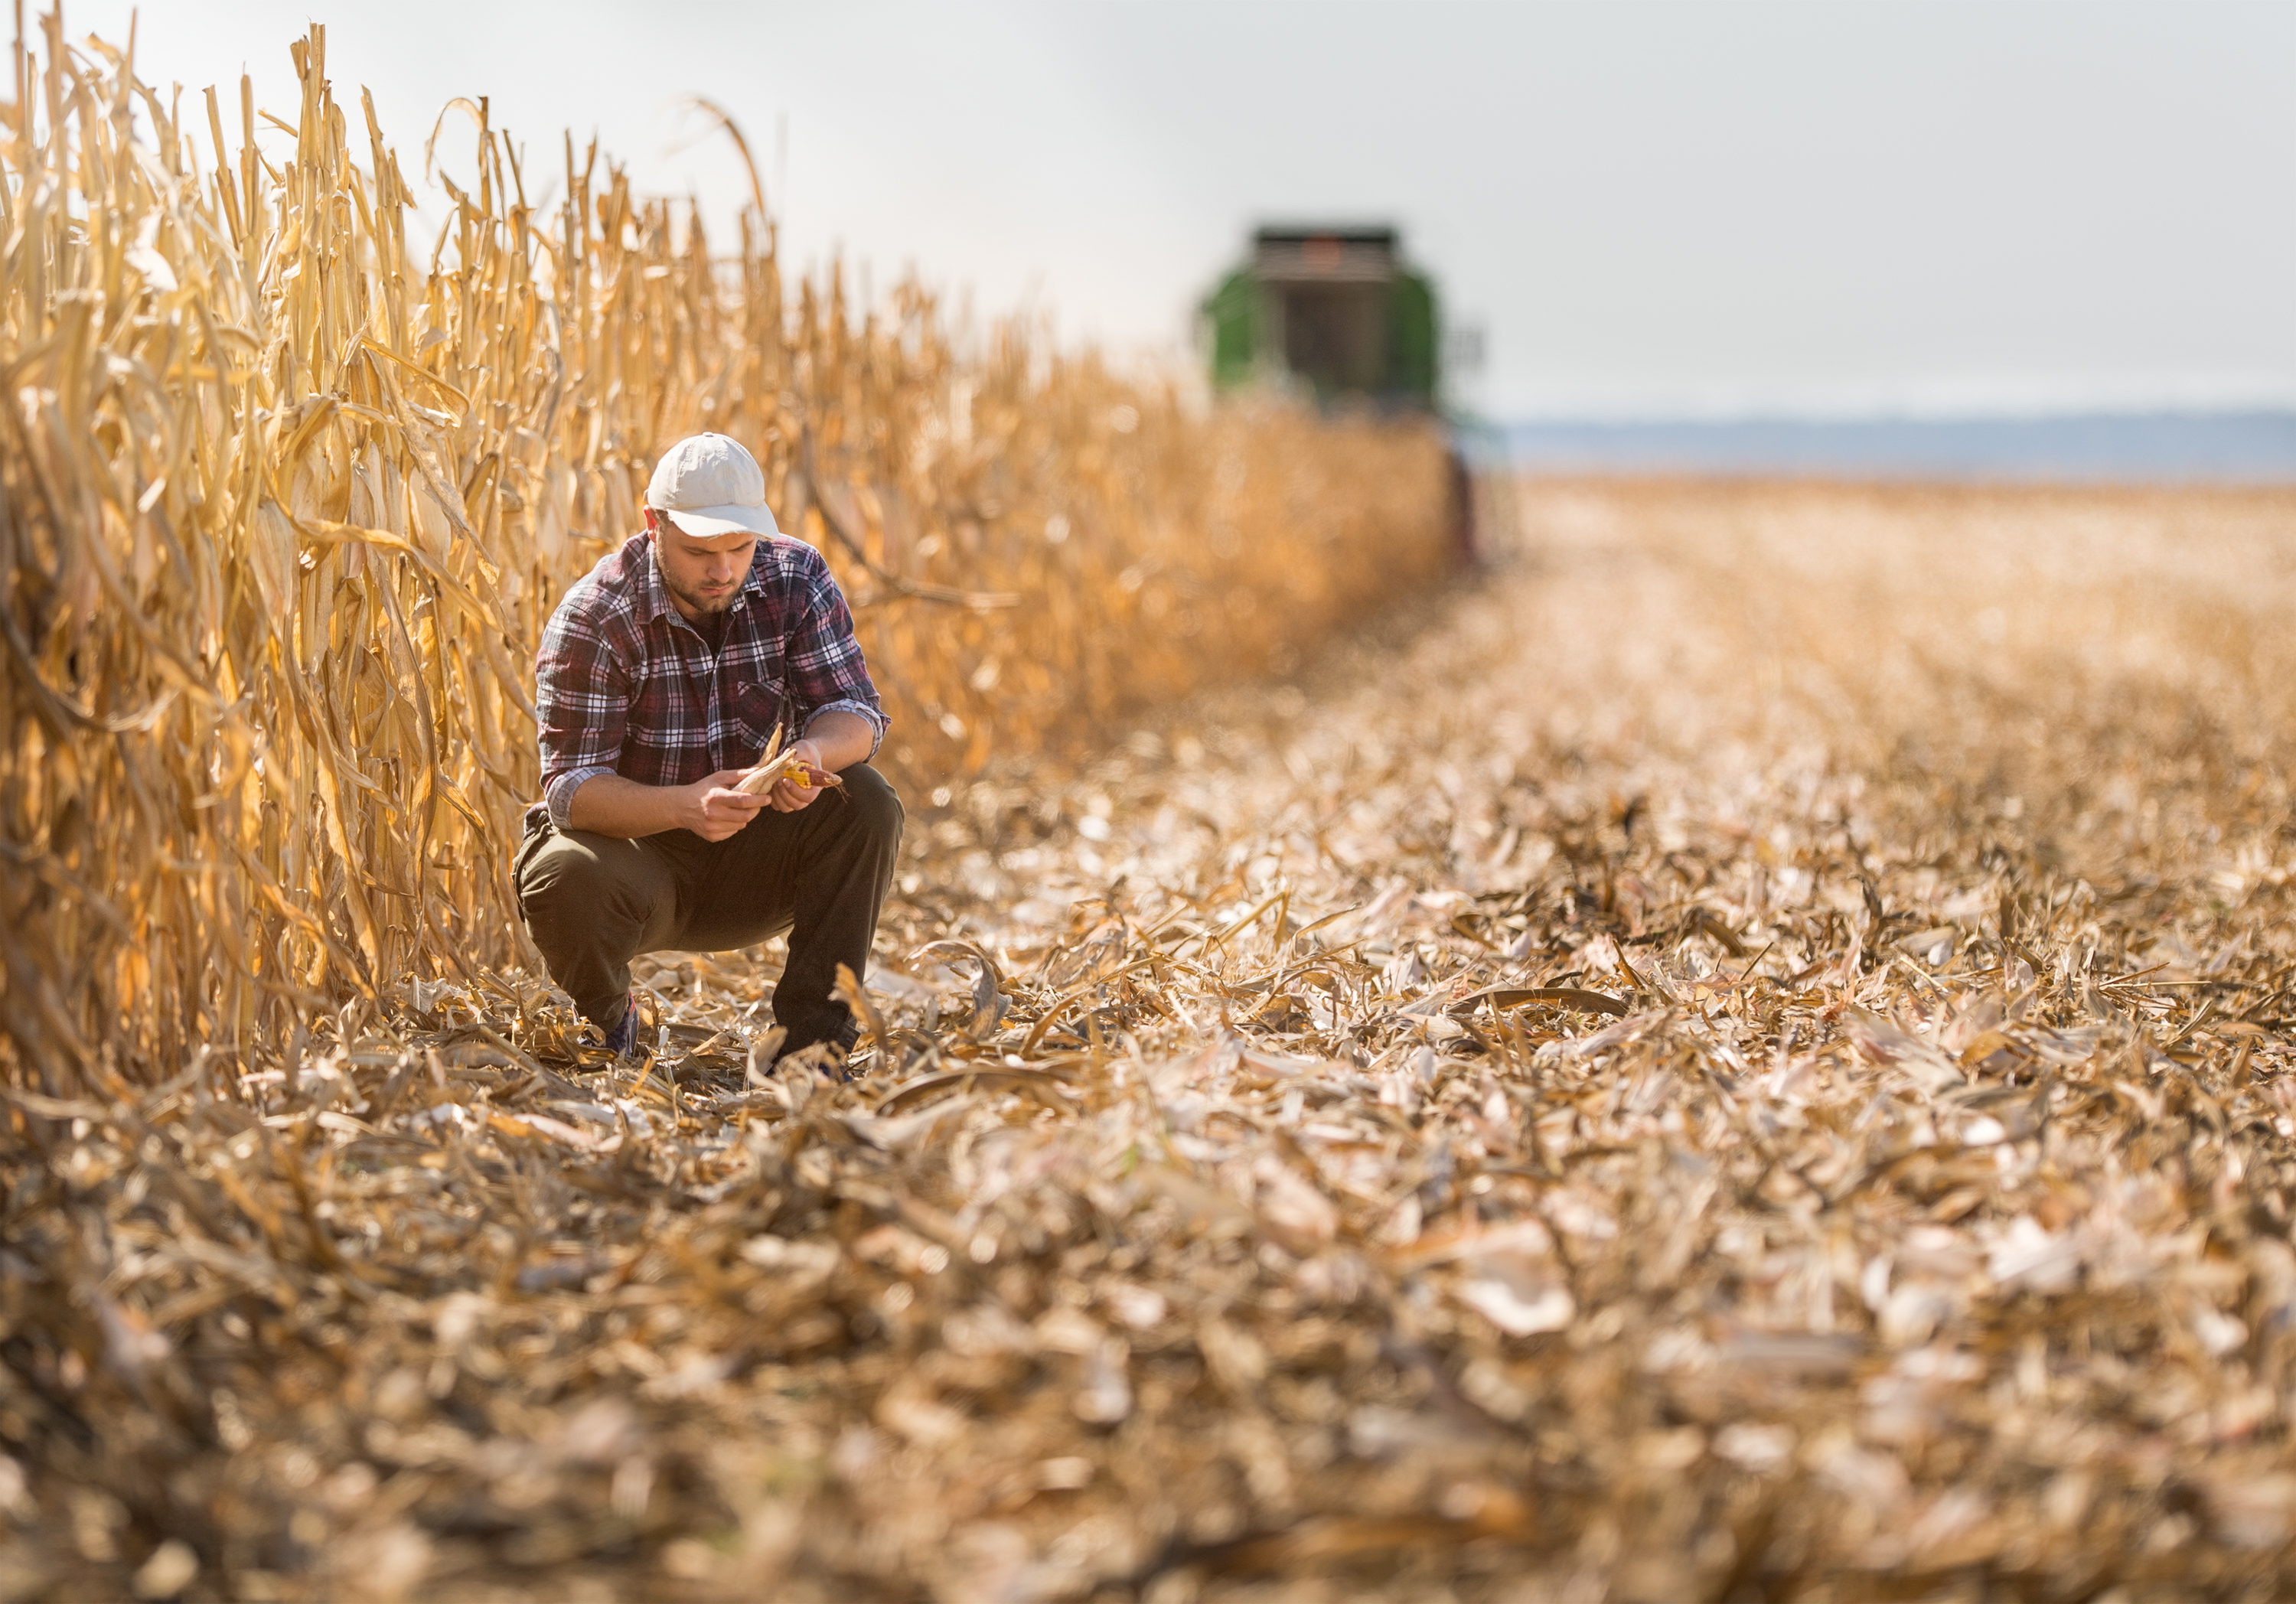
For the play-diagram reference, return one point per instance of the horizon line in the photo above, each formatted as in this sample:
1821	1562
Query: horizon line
1895	418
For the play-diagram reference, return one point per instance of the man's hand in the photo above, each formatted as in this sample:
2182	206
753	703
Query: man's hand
787	796
712	809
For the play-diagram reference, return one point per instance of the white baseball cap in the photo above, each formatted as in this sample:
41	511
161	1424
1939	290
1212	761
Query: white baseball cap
708	485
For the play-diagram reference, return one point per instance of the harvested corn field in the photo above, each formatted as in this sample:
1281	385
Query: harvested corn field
1740	1055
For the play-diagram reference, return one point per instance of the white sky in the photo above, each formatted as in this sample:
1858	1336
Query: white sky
1649	208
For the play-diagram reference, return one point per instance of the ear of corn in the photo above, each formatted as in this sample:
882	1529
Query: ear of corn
287	492
787	765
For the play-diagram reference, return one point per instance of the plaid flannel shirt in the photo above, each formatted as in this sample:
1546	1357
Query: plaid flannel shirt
625	686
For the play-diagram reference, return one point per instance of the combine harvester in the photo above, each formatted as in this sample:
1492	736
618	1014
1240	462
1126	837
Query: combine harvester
1337	315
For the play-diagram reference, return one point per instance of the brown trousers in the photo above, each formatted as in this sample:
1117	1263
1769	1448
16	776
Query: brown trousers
593	902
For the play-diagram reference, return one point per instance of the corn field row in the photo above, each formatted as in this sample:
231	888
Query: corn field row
287	492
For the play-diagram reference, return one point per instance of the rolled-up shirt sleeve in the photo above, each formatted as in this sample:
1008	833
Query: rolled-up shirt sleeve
581	701
826	671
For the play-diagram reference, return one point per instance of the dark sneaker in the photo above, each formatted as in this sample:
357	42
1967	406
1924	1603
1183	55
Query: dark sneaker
832	1062
622	1039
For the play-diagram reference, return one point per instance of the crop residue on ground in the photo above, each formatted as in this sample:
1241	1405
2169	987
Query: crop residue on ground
1742	1053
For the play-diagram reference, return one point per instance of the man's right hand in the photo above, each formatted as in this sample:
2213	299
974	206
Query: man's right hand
712	809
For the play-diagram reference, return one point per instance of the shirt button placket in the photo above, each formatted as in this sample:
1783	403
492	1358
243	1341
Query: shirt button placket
716	728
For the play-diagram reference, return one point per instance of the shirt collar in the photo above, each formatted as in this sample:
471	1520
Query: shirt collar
753	583
654	595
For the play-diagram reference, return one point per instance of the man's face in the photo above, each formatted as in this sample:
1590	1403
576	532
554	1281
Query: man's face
702	574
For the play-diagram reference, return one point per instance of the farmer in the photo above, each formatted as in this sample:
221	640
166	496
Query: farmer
663	674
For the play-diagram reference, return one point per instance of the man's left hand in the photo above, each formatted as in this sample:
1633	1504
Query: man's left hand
787	795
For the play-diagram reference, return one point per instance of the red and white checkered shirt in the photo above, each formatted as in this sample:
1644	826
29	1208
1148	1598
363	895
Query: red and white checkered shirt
625	686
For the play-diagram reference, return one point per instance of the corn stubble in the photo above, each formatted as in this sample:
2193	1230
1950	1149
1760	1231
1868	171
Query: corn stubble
1745	1058
1797	1106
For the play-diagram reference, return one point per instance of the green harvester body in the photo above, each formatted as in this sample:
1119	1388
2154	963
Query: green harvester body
1335	310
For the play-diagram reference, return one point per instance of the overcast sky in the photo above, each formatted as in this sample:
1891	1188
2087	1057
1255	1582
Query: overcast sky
1649	208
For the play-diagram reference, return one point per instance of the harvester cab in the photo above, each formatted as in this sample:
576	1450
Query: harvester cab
1335	311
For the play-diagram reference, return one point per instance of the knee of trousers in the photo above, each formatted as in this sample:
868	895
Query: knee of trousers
568	877
876	805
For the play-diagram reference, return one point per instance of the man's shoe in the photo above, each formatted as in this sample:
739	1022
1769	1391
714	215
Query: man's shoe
832	1064
622	1039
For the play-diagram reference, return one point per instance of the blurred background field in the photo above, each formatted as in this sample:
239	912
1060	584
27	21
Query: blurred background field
2196	449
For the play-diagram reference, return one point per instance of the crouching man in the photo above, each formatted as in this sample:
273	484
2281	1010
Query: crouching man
662	675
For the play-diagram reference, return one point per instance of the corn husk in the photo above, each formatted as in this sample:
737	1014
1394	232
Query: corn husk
758	781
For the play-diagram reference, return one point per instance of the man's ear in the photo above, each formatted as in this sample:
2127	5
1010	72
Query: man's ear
652	521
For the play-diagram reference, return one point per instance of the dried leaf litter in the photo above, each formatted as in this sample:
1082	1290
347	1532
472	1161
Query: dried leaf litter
1743	1054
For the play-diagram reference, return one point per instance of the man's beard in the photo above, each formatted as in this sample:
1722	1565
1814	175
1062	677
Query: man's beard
698	602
